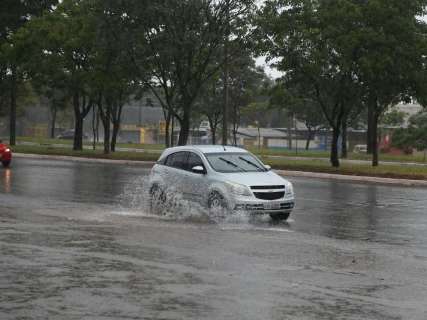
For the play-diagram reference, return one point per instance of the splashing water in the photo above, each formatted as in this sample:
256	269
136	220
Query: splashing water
136	198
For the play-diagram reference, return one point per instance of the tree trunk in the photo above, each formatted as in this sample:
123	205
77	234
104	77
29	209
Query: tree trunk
309	137
167	134
53	121
116	119
289	129
369	132
172	137
375	140
213	132
213	127
226	76
94	128
116	129
235	129
12	125
78	125
334	148
106	122
185	129
344	151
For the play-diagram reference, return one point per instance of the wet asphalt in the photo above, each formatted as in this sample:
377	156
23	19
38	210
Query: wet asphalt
78	242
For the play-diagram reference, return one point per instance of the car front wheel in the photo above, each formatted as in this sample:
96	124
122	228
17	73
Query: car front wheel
6	163
280	216
217	202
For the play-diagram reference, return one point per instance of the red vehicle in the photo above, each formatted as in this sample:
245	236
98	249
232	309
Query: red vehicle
5	154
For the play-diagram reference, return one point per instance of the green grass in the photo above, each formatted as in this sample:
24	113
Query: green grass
47	141
289	153
419	158
386	171
308	165
94	154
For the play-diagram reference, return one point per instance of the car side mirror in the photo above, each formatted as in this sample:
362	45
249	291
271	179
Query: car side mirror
198	169
267	167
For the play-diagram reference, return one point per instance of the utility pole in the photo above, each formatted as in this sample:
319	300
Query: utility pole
226	76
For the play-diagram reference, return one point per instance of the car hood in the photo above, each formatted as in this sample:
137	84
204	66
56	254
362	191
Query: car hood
255	178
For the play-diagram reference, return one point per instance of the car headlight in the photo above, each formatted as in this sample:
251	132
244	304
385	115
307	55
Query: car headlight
239	189
7	150
289	189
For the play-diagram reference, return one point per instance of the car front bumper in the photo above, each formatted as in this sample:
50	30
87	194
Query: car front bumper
255	205
5	156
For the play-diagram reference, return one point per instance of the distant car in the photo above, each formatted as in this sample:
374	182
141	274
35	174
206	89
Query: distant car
360	148
225	178
5	155
69	135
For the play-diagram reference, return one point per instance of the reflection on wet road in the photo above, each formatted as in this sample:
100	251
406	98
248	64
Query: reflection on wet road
77	241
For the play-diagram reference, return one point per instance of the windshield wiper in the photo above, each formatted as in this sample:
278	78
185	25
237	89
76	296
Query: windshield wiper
252	164
231	163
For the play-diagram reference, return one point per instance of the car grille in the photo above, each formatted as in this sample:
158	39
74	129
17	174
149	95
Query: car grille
269	195
267	187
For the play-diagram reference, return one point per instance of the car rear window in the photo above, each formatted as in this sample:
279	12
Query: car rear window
177	160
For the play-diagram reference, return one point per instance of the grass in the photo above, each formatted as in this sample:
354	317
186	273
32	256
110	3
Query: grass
93	154
385	171
47	142
418	158
308	165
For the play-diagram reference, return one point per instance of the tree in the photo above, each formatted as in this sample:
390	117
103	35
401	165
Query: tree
415	136
113	77
390	41
59	46
245	83
185	40
210	104
312	41
394	118
299	105
255	112
14	15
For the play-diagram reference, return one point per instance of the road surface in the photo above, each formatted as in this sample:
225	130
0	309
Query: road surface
77	242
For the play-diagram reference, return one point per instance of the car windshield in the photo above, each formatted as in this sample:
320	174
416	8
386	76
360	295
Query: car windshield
234	162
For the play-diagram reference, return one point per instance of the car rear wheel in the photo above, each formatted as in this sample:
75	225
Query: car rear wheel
280	216
6	163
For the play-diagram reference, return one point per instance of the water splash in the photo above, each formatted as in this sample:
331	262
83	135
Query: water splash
135	200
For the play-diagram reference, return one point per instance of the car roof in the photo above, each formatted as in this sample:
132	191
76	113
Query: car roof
205	149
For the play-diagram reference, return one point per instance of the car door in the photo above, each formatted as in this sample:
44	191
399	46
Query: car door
195	187
176	172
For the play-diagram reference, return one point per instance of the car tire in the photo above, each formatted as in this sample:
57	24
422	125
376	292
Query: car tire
280	216
6	163
157	199
217	201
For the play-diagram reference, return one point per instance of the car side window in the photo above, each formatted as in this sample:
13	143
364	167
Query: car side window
194	160
177	160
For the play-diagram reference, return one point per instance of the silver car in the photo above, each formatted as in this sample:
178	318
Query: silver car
221	177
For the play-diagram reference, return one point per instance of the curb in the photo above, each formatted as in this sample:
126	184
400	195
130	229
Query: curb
285	173
358	179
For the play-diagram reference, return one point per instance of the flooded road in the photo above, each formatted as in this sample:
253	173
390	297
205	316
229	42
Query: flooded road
77	242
